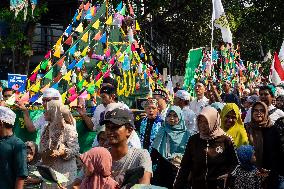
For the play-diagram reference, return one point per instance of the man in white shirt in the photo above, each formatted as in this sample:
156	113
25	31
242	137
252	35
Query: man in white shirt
266	95
162	97
108	96
200	101
181	99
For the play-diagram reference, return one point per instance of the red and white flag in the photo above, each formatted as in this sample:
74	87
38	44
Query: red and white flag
276	71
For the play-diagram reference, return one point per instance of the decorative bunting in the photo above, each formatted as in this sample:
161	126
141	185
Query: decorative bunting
34	98
55	86
57	51
103	38
67	77
99	82
91	89
72	65
69	40
72	90
48	55
121	58
73	49
109	20
63	97
80	28
137	27
98	36
36	87
84	95
87	6
44	64
112	61
80	85
74	102
33	76
79	15
122	12
48	75
119	6
61	61
80	63
37	68
131	12
72	98
85	37
93	11
84	52
108	53
96	25
68	30
98	76
99	64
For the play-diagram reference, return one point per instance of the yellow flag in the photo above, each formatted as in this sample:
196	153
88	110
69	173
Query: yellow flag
80	77
36	87
121	58
137	26
37	68
109	20
85	83
85	37
79	15
57	52
80	28
96	25
58	43
99	82
88	97
67	76
63	96
84	52
99	64
11	100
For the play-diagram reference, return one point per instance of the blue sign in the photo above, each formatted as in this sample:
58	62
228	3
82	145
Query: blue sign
17	82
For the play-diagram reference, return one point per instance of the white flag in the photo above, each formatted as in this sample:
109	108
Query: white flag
281	54
220	20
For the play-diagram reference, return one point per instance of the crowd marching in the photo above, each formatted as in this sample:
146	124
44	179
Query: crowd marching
223	138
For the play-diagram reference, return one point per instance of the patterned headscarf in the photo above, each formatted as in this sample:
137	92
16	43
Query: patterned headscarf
245	153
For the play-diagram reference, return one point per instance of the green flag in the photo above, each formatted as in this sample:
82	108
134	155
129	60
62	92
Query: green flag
193	60
49	74
44	64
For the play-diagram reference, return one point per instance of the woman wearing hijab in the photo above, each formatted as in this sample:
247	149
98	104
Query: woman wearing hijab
246	175
209	156
168	147
266	139
233	125
97	164
59	142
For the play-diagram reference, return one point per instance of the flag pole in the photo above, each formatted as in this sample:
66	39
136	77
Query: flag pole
212	35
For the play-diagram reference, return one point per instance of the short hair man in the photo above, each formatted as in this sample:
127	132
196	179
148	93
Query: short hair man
119	126
13	160
266	95
200	101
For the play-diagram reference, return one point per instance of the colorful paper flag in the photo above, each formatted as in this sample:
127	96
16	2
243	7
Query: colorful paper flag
80	28
85	37
109	20
98	36
96	25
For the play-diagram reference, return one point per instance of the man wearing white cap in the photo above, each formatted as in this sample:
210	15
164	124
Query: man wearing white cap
13	160
48	95
182	99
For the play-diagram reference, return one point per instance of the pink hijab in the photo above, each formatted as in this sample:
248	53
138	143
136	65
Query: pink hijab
99	162
214	123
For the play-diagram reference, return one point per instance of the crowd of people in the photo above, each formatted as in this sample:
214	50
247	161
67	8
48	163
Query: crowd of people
223	138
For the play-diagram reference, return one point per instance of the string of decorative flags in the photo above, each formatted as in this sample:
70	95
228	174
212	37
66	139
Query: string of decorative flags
100	42
226	65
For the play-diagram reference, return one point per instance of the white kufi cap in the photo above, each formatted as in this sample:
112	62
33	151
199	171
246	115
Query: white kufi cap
7	115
